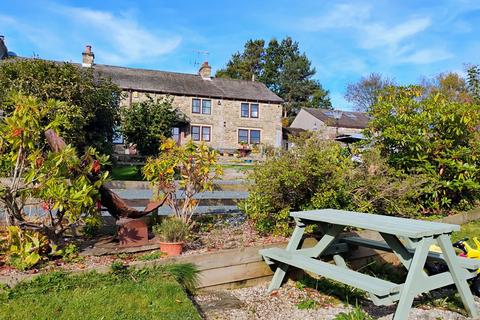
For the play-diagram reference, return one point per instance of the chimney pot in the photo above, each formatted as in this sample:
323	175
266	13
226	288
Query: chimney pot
88	57
205	71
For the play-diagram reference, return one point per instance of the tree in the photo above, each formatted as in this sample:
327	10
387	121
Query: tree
283	69
451	85
432	135
364	93
146	123
59	179
91	103
473	82
247	64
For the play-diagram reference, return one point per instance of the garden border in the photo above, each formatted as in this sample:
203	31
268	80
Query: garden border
240	267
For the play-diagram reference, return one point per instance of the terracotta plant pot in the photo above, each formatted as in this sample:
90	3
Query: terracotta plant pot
171	248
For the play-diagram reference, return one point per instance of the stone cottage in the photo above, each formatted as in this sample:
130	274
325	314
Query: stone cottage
223	113
331	124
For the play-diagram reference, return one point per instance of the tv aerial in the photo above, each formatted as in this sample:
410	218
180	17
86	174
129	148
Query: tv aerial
200	56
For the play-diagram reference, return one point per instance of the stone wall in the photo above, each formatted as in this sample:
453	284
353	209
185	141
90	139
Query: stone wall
306	121
328	132
225	120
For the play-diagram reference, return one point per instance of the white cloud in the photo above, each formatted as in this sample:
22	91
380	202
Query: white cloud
394	43
121	38
425	56
342	16
377	35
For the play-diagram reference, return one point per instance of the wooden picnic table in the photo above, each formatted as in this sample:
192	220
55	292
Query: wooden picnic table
408	239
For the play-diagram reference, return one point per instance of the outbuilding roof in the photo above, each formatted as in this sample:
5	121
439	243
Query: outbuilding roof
348	119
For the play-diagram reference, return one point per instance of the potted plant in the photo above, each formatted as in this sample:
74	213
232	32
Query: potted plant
172	233
244	150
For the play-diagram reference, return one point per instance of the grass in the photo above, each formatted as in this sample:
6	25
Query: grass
468	230
448	301
238	167
451	301
130	173
338	290
151	256
306	304
356	314
158	293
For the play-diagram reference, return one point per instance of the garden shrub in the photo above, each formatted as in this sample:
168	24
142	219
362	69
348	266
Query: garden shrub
376	187
422	158
432	135
289	181
319	174
61	180
23	249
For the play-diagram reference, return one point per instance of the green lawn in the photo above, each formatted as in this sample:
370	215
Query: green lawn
143	294
469	230
131	173
134	173
238	167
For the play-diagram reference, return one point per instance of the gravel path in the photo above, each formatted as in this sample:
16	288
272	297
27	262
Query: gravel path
256	303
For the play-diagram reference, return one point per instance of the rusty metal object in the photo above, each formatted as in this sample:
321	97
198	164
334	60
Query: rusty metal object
118	208
115	205
132	232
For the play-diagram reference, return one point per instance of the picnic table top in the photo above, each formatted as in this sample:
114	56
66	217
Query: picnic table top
410	228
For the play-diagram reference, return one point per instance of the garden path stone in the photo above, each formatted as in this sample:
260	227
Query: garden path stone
213	304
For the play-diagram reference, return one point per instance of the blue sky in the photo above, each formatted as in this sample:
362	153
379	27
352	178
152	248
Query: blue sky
405	40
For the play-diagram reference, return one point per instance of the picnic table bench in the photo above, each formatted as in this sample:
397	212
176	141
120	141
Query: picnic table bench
408	239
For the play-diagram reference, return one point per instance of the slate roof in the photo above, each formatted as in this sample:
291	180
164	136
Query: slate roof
349	119
175	83
186	84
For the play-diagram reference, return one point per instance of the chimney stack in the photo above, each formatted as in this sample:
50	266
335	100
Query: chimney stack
88	57
205	71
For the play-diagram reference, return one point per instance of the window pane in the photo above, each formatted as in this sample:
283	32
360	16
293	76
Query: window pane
254	136
117	136
176	134
206	133
244	110
196	105
254	110
242	135
206	106
195	133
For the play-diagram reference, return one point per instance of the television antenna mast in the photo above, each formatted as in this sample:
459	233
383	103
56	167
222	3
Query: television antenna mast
200	57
